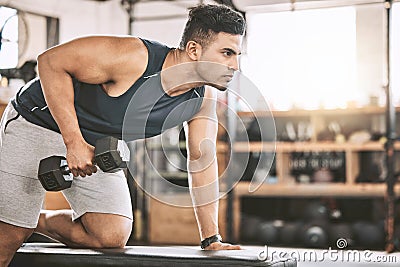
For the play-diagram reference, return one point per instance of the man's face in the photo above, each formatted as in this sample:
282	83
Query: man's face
220	59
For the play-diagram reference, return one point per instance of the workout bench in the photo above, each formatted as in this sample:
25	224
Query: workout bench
55	254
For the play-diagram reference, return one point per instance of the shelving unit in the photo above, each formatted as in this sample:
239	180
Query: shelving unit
284	149
310	190
285	185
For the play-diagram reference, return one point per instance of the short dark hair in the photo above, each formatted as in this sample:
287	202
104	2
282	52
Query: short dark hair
207	20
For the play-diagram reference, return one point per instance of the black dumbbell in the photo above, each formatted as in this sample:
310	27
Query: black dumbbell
369	235
315	234
54	174
290	233
341	231
316	211
249	228
269	232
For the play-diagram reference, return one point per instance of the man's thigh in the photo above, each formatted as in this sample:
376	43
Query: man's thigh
103	193
22	145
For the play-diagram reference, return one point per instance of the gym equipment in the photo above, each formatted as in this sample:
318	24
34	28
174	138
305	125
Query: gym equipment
26	72
54	174
256	133
46	255
248	228
369	235
290	233
269	231
314	232
341	231
316	211
323	175
315	235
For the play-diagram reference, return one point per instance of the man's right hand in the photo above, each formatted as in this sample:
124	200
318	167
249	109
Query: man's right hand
80	158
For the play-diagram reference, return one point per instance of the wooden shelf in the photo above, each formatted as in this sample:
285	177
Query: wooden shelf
221	146
318	112
314	190
308	146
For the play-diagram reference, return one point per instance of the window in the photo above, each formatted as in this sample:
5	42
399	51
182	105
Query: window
305	59
9	38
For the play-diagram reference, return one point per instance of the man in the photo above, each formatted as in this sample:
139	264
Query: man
84	90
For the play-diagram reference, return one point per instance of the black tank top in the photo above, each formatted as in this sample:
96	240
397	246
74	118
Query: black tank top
150	113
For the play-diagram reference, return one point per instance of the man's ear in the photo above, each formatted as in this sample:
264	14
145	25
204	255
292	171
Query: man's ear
193	49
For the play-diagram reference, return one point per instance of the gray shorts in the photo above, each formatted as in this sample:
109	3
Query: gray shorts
22	146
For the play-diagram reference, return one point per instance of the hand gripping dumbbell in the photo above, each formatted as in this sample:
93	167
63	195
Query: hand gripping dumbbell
54	174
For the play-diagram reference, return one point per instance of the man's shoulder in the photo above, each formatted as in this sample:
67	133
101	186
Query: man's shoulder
153	45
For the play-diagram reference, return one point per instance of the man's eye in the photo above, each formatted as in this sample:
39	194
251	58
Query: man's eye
228	53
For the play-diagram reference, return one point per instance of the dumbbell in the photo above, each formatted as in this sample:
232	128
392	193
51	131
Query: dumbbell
341	231
315	234
249	228
269	231
316	211
290	233
54	174
369	235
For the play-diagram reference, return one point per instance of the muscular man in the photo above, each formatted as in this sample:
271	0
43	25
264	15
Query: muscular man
81	94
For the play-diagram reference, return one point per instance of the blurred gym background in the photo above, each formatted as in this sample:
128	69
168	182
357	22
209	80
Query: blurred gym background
322	67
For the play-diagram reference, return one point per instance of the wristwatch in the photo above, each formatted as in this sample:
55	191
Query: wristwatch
209	240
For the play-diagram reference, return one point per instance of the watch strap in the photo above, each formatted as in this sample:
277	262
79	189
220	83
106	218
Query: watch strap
209	240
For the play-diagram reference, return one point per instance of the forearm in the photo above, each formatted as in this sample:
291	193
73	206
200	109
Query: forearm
204	191
59	94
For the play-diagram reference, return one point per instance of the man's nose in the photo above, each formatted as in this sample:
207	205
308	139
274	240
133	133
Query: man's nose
234	64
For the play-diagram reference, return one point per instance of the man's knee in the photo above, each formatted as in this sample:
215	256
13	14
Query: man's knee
111	242
110	231
112	238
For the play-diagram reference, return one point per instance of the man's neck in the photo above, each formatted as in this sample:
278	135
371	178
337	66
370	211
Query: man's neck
178	73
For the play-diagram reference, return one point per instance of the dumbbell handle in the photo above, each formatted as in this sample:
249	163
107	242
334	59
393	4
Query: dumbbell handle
64	167
65	170
55	175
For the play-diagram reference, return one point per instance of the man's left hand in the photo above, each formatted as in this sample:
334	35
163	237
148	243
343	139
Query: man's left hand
222	246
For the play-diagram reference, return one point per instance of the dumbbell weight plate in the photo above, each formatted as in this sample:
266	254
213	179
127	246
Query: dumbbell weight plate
54	174
315	235
268	232
341	231
290	233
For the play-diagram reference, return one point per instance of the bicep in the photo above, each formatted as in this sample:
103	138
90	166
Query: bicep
96	59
